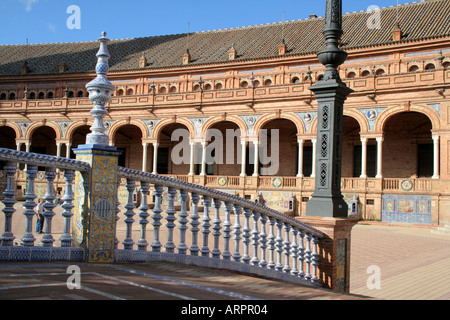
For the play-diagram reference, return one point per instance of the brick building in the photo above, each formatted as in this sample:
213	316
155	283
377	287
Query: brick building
396	123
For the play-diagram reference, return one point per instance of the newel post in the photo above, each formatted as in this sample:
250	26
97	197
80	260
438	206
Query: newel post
96	191
333	250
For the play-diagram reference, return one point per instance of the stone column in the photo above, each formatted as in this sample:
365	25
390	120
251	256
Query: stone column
436	157
192	159
144	156
363	158
314	145
256	160
300	158
68	146
203	172
379	158
243	158
155	157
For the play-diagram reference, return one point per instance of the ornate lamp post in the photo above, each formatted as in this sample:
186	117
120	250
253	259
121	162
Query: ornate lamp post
331	92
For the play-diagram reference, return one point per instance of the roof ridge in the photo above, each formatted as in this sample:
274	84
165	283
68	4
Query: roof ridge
227	29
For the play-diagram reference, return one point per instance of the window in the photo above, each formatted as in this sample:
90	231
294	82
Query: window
208	87
120	92
163	90
365	73
196	87
219	86
320	77
430	66
413	68
32	96
295	80
3	96
380	72
130	92
351	75
244	84
41	95
256	83
268	82
71	94
446	65
173	89
80	94
50	95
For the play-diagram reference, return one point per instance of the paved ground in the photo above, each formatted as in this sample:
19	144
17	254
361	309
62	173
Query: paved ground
413	263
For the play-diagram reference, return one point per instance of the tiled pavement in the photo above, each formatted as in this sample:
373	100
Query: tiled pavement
413	264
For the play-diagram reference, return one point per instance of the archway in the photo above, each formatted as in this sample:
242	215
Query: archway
165	163
128	140
7	141
226	142
79	138
408	146
280	154
43	141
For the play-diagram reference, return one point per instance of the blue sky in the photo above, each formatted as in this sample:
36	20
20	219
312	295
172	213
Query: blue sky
45	21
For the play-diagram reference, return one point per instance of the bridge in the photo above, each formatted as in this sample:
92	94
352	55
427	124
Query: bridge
177	221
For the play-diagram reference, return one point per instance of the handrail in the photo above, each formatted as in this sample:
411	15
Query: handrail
216	194
42	160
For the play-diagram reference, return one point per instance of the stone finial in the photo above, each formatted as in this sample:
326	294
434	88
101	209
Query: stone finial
100	92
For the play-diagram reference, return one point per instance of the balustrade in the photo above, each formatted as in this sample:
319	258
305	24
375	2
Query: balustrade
175	224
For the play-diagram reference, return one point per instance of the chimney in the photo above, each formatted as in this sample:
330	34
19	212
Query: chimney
282	49
232	53
143	61
25	69
312	16
186	57
62	67
397	33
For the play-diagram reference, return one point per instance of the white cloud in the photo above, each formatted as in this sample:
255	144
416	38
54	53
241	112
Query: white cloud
51	27
28	4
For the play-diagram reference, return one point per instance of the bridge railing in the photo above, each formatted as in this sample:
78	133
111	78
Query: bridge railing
188	223
221	229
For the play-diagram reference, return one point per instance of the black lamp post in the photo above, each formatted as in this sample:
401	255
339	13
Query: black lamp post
327	199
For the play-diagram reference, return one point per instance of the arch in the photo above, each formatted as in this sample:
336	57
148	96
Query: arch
351	75
74	126
430	66
429	112
161	124
358	116
261	122
236	120
118	124
37	125
15	127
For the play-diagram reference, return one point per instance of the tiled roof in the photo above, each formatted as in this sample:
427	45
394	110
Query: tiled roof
418	21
